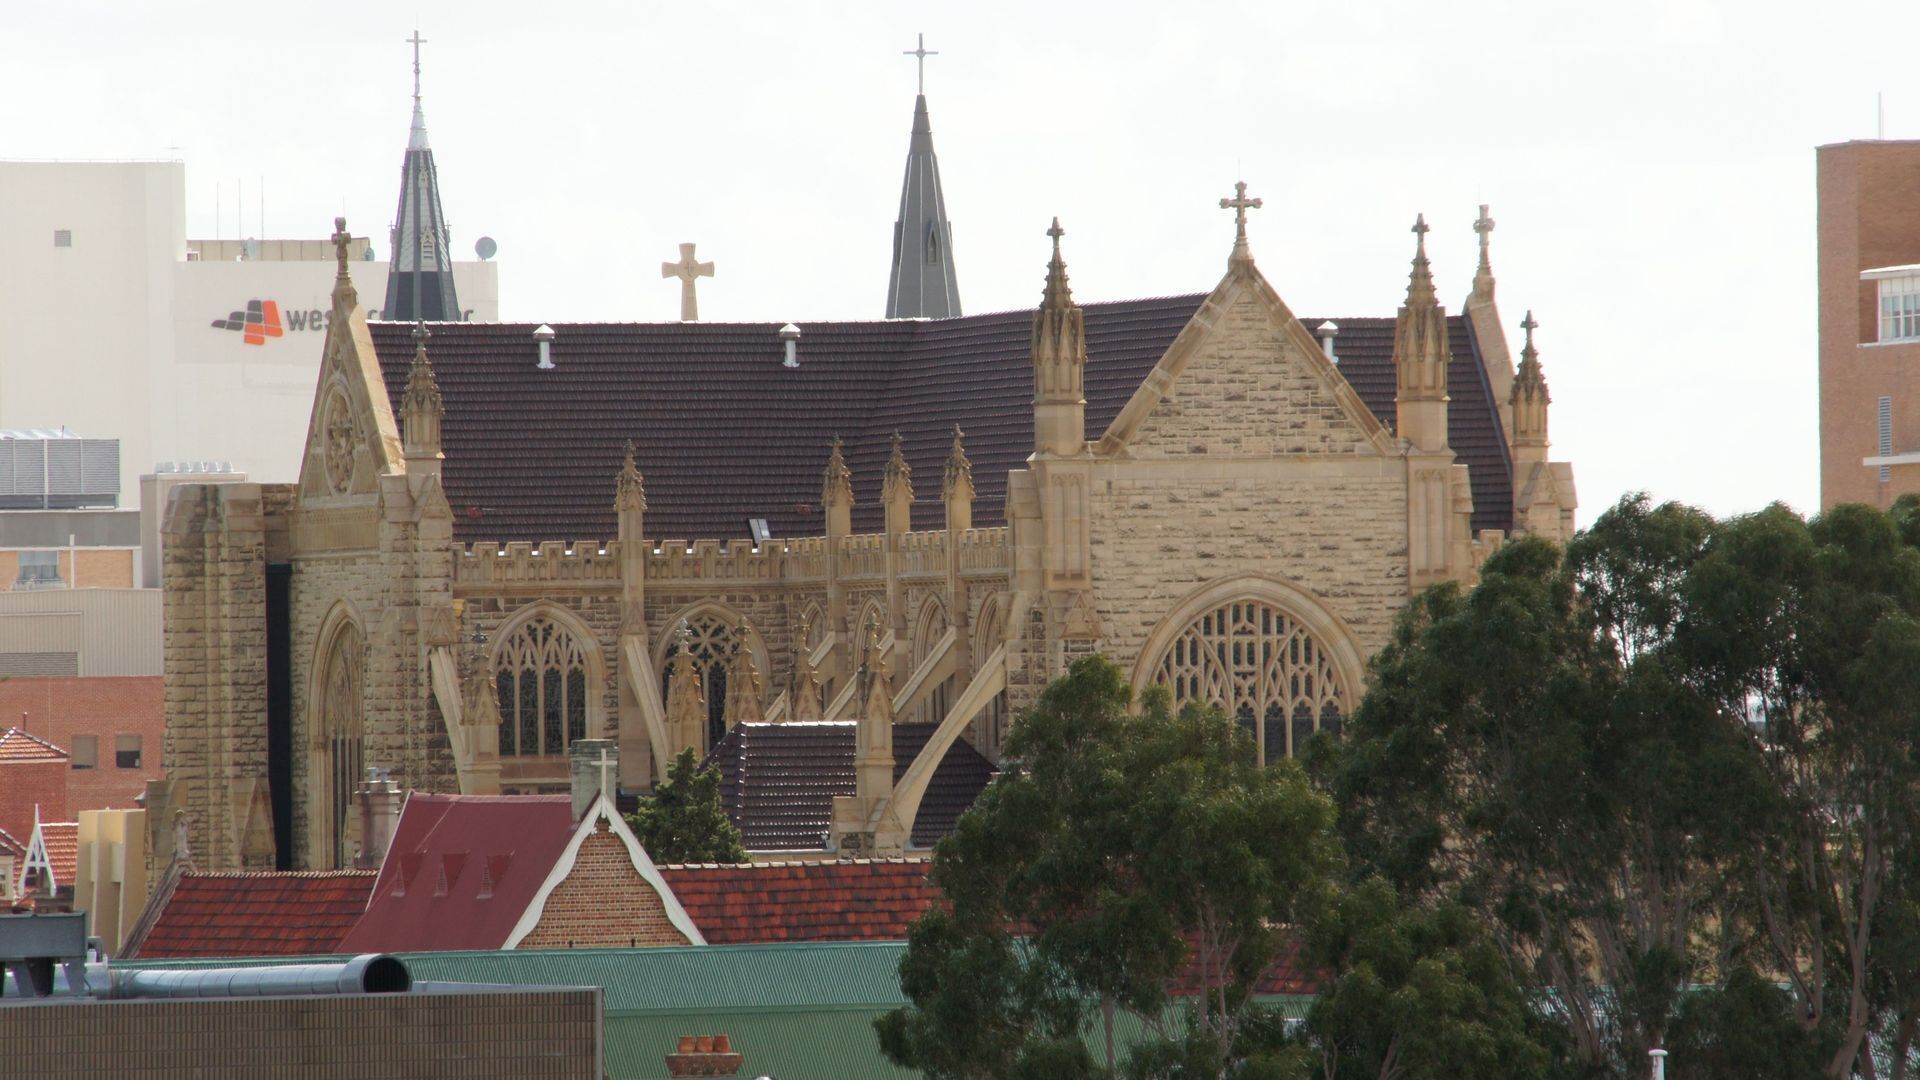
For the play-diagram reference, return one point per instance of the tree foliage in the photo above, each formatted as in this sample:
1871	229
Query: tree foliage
1136	864
685	820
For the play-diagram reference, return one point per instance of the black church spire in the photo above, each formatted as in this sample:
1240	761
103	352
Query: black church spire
420	278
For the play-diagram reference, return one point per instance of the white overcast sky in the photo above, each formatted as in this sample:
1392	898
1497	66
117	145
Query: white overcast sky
1650	164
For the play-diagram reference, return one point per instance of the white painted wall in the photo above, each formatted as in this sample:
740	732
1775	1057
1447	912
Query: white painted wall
112	337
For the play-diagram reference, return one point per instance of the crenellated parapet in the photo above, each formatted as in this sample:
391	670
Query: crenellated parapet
521	563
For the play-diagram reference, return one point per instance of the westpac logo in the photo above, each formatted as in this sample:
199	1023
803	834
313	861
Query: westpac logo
259	322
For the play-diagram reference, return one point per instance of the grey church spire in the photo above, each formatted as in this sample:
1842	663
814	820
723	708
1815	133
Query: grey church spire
420	278
923	283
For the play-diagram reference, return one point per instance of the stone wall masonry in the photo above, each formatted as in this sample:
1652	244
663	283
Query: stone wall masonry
1246	392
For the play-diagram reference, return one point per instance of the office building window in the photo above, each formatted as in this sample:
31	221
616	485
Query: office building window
126	751
63	238
39	570
1900	308
86	751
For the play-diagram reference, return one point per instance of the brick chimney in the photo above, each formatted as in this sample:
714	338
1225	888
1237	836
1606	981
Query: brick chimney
379	800
704	1055
589	773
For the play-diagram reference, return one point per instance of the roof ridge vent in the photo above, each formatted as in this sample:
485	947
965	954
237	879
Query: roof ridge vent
791	335
544	335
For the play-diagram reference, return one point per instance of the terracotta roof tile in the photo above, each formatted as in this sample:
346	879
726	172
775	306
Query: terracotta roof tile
724	432
779	780
856	900
261	913
11	846
17	745
63	849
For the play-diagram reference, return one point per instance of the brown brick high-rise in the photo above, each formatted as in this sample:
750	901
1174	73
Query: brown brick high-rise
1869	217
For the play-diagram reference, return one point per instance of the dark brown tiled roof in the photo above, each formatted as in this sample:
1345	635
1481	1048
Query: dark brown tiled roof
779	781
725	433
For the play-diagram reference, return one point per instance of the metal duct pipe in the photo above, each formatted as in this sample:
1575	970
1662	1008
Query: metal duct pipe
374	973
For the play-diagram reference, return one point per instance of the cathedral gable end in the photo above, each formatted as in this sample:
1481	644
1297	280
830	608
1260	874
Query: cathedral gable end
352	437
1245	379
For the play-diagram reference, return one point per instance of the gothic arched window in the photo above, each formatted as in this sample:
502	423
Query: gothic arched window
341	737
1250	659
541	683
711	639
928	629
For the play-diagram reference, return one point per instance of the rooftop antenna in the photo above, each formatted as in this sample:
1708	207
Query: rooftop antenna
1880	114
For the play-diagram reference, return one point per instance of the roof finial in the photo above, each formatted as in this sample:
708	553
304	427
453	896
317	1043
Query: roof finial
1240	204
341	240
920	52
417	41
1058	294
1483	277
1420	282
1529	324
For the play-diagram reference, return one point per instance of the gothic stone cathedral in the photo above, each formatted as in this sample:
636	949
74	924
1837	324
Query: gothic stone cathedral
506	538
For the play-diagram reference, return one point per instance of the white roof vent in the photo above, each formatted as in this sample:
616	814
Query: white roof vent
791	335
1328	331
544	335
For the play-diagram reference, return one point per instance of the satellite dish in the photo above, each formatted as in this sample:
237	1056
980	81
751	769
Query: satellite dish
485	247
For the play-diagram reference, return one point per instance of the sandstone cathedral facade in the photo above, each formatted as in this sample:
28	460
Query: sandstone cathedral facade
508	538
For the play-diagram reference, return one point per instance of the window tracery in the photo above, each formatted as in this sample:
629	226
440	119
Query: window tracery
711	639
541	684
342	736
1258	664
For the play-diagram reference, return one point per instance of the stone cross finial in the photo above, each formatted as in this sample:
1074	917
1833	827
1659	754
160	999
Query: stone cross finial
920	52
608	784
1240	204
1421	228
1529	324
1484	226
687	269
341	239
1056	232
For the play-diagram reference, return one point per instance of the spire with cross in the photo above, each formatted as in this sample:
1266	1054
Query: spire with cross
922	284
920	52
420	277
1240	204
1420	282
687	269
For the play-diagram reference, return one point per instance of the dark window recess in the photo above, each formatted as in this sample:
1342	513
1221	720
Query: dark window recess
280	713
126	751
86	751
63	238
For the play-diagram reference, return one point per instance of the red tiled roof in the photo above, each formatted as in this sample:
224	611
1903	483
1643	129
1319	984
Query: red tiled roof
17	745
779	780
858	900
11	846
260	913
532	455
63	849
430	895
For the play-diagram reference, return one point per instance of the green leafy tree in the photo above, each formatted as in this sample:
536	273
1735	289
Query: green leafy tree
1810	632
1121	863
1528	749
1417	993
685	821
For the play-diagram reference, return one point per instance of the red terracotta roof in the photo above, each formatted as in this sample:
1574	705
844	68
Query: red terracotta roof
461	871
63	849
779	780
532	455
11	846
858	900
17	745
261	913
